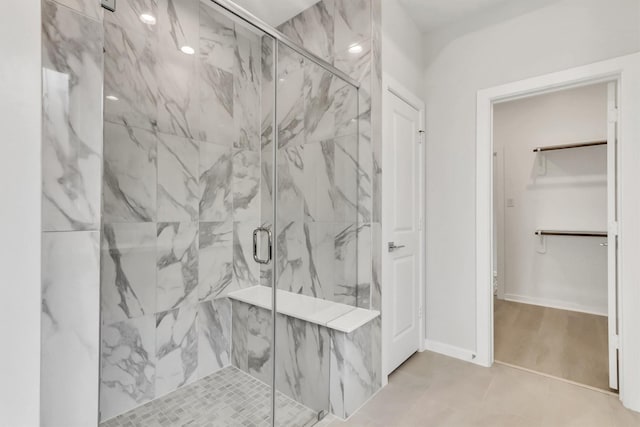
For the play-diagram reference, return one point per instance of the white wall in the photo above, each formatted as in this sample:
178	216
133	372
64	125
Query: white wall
20	106
402	55
569	194
560	35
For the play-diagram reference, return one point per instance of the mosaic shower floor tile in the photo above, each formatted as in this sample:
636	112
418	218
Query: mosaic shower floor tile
227	398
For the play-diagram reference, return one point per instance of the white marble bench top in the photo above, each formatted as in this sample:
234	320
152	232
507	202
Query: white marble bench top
333	315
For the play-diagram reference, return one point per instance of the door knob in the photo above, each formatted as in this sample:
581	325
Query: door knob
393	247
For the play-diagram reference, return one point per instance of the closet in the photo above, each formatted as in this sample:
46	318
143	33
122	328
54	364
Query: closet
554	204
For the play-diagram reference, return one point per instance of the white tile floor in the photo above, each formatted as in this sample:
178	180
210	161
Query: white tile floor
228	397
431	390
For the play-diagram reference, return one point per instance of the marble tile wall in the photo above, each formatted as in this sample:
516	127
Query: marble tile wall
182	182
331	167
329	141
324	369
302	354
72	64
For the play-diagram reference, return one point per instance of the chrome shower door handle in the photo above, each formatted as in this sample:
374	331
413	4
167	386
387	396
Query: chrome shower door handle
256	258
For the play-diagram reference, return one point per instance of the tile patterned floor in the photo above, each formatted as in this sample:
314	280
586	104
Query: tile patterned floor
227	398
431	390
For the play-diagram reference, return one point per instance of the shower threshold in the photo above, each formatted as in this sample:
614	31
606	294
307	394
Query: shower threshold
228	397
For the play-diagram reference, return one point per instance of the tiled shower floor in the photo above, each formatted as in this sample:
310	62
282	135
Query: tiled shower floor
228	397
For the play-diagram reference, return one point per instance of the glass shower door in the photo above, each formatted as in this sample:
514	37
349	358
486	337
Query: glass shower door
316	194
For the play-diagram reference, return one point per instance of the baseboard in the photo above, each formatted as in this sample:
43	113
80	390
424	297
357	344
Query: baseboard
562	305
450	350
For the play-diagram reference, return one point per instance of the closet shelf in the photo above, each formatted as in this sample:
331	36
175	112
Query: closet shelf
566	146
571	233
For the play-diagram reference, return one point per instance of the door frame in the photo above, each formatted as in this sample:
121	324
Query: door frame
391	87
625	71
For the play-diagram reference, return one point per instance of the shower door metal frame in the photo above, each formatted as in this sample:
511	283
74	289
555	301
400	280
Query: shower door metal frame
256	22
278	37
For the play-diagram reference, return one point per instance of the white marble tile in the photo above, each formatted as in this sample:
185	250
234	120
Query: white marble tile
320	87
345	264
217	105
246	272
292	260
347	176
91	9
361	367
129	174
128	365
176	349
290	101
364	266
268	92
322	240
291	183
215	262
127	16
217	38
352	320
246	86
314	29
246	186
319	311
177	264
178	186
336	374
130	75
376	257
70	337
178	23
319	175
178	92
302	362
239	334
259	355
128	273
214	336
216	173
352	22
71	119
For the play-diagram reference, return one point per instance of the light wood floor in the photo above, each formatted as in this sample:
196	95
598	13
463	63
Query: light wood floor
562	343
431	390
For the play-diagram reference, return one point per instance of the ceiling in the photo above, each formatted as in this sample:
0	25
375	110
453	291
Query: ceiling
275	12
433	14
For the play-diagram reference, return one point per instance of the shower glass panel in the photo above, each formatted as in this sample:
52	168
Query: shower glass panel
231	169
316	234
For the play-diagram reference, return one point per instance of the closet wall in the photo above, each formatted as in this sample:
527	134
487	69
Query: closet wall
569	194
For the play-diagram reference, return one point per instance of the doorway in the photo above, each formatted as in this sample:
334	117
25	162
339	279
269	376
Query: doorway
554	199
402	224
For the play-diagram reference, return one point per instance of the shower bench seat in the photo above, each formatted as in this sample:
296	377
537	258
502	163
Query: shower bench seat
333	315
327	353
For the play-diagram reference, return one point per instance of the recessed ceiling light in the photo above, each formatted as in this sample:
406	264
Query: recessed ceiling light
112	97
188	50
148	19
355	48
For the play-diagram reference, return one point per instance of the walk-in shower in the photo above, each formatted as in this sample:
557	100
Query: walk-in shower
232	168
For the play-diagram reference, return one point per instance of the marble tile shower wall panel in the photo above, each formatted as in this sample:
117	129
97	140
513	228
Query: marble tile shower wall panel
181	193
72	64
355	368
338	167
70	328
342	182
72	119
302	357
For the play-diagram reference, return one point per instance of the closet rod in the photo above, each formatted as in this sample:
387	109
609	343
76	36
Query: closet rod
571	233
565	146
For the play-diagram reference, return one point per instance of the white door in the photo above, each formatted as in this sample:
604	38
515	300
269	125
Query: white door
402	209
612	238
